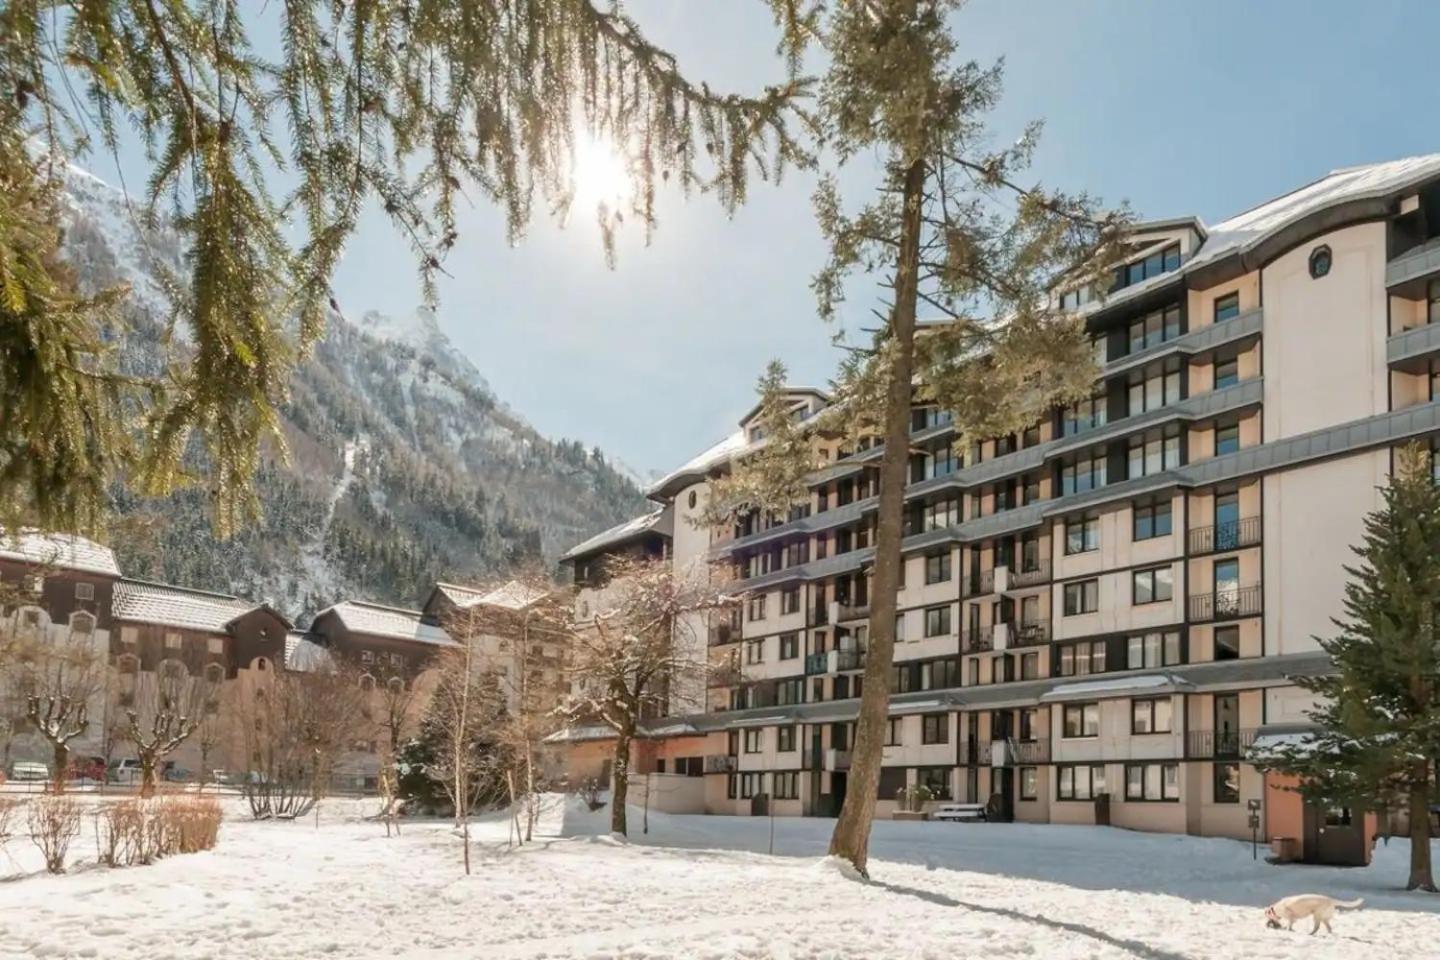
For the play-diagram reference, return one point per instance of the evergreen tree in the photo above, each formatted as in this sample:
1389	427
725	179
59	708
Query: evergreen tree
265	159
953	230
1379	713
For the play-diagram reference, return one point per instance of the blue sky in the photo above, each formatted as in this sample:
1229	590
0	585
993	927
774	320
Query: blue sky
1200	108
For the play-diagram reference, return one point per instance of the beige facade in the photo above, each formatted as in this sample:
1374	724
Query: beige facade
1112	602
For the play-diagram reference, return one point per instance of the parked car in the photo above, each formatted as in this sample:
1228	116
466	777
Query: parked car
224	778
88	768
175	774
125	771
29	770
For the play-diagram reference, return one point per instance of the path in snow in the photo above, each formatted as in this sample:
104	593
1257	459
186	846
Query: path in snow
695	888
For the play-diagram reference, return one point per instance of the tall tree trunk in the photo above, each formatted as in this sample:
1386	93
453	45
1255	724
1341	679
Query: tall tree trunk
61	758
622	782
1421	877
147	775
851	839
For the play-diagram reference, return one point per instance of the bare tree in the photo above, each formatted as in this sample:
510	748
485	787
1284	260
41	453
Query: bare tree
62	674
214	723
523	629
629	653
166	709
464	709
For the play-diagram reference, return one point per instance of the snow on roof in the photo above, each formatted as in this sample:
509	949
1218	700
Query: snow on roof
1241	232
513	595
176	606
381	621
64	550
618	534
704	462
1148	681
302	652
677	729
581	734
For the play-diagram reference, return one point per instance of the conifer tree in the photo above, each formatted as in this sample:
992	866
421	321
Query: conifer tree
955	232
265	157
1379	712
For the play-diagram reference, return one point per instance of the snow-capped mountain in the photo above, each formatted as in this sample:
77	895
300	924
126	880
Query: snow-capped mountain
403	467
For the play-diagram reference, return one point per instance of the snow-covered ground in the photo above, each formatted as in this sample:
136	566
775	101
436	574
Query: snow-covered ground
697	887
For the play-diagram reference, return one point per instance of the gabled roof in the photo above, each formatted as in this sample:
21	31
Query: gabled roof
64	550
376	620
142	602
622	533
513	595
304	652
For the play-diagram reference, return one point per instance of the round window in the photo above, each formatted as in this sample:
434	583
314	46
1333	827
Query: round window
693	499
1320	260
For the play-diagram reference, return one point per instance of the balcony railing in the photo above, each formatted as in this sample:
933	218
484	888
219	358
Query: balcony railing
979	640
723	675
1227	604
721	763
1026	752
849	659
1030	633
1207	744
1231	535
983	582
816	663
819	615
853	611
1037	574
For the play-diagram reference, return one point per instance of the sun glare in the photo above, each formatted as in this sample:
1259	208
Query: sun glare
600	174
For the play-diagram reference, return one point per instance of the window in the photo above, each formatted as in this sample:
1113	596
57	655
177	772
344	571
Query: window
1081	720
1227	643
935	728
1153	452
1433	295
1030	666
757	608
754	740
751	784
937	567
1082	597
1084	415
1079	782
1083	658
172	641
934	779
84	591
790	600
1227	307
1148	651
940	674
1151	586
894	732
1150	716
755	651
1154	265
1082	534
1085	473
1227	373
1227	783
789	646
1152	781
1155	328
1156	386
1320	262
787	785
1150	520
785	739
789	692
937	621
1227	439
215	645
1029	783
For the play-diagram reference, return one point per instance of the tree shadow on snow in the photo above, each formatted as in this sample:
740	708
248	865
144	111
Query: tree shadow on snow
1137	947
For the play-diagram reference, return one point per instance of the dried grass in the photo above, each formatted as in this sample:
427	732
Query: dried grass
142	831
54	822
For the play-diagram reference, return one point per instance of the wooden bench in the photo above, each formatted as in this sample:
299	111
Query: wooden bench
960	812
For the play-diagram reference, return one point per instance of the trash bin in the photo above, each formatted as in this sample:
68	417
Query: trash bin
1284	849
1102	809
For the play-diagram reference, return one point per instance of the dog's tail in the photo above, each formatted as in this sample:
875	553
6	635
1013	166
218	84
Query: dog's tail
1355	904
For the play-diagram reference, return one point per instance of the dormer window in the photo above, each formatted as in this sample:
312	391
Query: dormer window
84	591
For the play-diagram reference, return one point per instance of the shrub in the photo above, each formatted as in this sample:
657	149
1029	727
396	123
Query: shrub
9	818
120	833
141	831
54	822
192	823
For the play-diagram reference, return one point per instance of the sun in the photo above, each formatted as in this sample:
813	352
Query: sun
600	174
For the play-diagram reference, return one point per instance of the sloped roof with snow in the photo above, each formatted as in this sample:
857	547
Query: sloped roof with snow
381	621
620	534
1371	181
160	603
303	652
513	595
64	550
700	464
1150	682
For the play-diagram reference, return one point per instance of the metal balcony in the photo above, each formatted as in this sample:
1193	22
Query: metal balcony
1227	604
1209	744
721	763
816	663
1232	535
1037	574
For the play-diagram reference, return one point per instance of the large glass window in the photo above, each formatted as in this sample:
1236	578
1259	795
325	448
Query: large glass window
935	728
1083	658
937	621
1086	473
1227	643
1227	373
1156	386
1227	783
1082	534
1081	720
1227	439
1079	782
937	567
1155	328
1084	415
1162	261
1152	586
1154	452
1227	307
1151	520
1150	716
1082	597
1152	781
1147	651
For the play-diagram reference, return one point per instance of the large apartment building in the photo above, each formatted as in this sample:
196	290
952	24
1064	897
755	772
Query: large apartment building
1117	600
